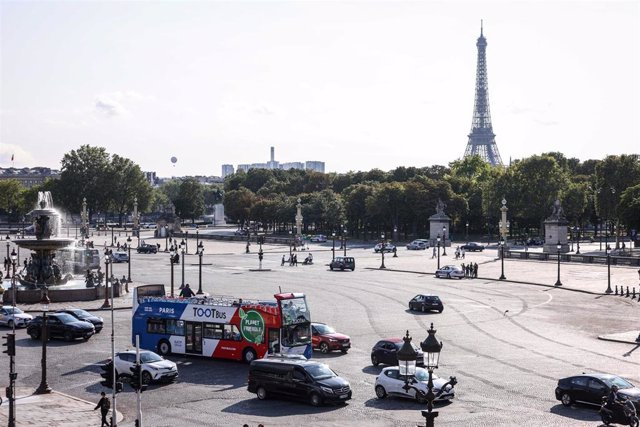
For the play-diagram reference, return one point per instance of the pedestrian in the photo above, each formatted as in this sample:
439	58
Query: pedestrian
158	245
295	260
282	263
186	292
104	404
25	263
464	269
462	252
475	270
434	253
639	274
124	279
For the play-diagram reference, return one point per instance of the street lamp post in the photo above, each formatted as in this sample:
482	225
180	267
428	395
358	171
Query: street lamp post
382	248
333	248
395	239
182	252
197	237
502	276
44	388
107	261
166	238
129	263
341	236
431	348
290	244
186	242
407	361
466	236
438	239
444	241
558	246
200	252
578	241
344	233
172	254
8	239
609	290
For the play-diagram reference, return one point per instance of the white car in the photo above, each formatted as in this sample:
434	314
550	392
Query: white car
10	316
418	244
391	383
319	238
119	257
388	247
154	366
450	272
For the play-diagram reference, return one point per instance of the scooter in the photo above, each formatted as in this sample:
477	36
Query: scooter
624	413
307	261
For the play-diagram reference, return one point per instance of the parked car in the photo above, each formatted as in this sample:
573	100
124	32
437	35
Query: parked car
450	272
10	316
85	316
391	383
119	257
418	244
343	263
385	351
241	232
591	388
298	379
318	238
472	247
426	303
61	325
388	247
326	339
535	241
154	366
146	248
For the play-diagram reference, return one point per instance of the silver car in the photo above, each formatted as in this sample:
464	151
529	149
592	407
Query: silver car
154	366
450	272
10	316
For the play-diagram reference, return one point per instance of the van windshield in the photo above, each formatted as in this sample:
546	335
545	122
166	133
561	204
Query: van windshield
320	371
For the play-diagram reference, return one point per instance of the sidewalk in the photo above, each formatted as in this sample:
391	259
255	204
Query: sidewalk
53	409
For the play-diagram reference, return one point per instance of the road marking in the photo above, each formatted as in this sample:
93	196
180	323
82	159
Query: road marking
549	298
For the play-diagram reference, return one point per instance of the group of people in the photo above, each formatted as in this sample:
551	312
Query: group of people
470	270
459	253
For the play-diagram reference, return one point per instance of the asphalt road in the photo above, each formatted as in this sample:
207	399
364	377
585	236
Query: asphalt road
506	343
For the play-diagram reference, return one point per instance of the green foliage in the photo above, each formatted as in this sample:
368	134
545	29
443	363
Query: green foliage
190	200
629	208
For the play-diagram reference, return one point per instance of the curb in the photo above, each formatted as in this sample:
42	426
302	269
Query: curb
601	337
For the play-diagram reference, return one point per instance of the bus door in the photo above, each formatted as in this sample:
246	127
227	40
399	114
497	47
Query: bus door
193	338
273	341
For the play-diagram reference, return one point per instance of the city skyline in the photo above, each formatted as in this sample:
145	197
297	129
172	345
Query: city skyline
357	85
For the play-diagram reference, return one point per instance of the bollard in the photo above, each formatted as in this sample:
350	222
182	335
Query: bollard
627	292
634	293
616	290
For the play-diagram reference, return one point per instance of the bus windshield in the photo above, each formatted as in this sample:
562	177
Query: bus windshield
295	311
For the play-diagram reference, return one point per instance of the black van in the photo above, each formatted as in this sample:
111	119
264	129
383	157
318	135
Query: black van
343	263
293	378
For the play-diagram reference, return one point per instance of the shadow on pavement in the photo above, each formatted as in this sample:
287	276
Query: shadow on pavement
576	412
420	313
399	403
276	407
373	370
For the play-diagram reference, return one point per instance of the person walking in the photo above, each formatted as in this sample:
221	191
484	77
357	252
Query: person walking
434	253
105	405
282	263
186	292
295	260
475	270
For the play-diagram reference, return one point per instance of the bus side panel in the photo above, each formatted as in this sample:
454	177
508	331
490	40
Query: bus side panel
177	344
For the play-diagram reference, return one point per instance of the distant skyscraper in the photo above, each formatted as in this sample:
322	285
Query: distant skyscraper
227	170
272	164
482	140
292	165
315	166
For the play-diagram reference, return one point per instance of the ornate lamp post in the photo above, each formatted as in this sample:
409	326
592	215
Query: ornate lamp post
431	348
438	240
395	237
8	239
578	241
107	262
558	246
341	237
502	276
172	254
166	238
444	241
344	248
333	248
44	388
407	361
466	236
182	252
609	290
290	244
382	248
200	251
186	242
129	263
572	233
197	237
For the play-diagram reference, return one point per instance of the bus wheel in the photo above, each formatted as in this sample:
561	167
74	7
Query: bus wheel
249	355
164	347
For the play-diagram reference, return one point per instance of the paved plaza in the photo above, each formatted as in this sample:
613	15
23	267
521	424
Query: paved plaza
507	342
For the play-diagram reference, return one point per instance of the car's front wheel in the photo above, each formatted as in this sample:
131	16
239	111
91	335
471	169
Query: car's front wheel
68	336
315	399
261	393
381	393
34	334
566	399
146	377
324	348
10	324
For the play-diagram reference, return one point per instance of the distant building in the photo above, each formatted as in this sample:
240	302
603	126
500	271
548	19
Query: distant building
151	178
243	167
292	165
29	177
315	166
227	170
272	164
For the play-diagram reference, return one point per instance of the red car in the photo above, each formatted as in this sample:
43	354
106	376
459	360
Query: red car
326	339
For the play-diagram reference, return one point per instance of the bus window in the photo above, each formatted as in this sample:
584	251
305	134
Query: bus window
155	326
212	330
295	335
175	327
231	333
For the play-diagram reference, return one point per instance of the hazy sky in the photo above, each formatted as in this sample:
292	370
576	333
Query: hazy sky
358	85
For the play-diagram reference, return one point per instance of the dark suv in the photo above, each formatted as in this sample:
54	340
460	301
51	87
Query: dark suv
298	379
61	325
146	248
386	351
85	316
343	263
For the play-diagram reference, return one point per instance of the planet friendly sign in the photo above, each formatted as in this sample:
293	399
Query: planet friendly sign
251	326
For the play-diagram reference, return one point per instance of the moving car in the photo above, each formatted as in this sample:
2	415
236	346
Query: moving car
146	248
343	263
61	325
119	257
318	238
326	339
298	379
418	244
391	383
385	351
472	247
388	247
84	315
154	366
10	316
426	303
591	388
450	272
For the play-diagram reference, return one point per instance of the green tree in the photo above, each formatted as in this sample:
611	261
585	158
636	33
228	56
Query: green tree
629	209
190	201
129	184
238	203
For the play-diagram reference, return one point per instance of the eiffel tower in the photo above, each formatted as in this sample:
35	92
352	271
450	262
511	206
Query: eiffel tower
482	140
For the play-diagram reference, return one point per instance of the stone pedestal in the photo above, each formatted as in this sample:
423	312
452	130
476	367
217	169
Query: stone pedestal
555	230
436	222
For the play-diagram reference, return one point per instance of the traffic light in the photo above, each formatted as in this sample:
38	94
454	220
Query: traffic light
118	386
260	256
107	375
136	378
10	344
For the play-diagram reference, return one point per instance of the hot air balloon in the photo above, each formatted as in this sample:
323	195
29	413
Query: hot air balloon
174	160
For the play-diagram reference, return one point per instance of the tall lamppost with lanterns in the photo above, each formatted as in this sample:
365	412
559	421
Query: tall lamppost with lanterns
107	276
333	247
559	247
431	348
44	388
200	251
502	276
609	290
129	263
578	240
383	247
344	247
182	252
466	236
172	254
8	239
438	242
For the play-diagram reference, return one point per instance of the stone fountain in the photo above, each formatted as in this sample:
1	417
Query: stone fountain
42	270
